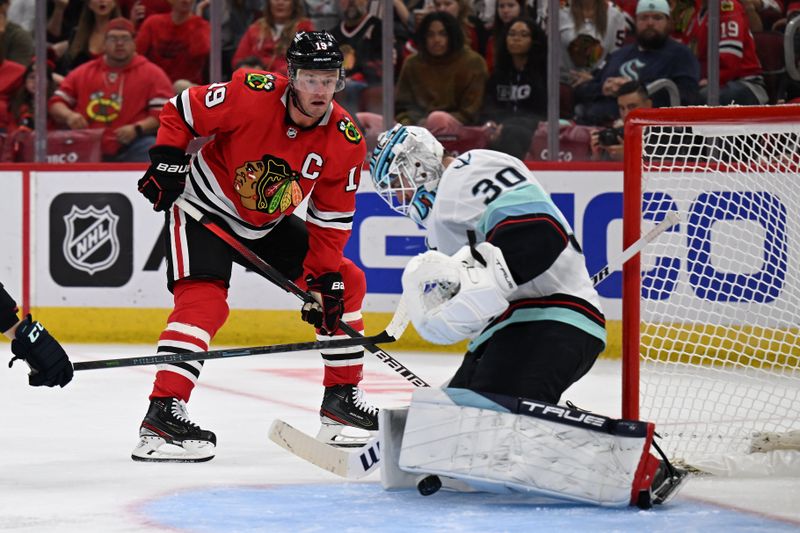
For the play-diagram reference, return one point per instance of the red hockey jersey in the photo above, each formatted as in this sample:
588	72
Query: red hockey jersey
259	166
737	48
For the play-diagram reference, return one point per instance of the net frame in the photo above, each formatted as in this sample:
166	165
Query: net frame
745	120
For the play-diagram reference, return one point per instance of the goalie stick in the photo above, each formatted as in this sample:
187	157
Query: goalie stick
395	328
671	218
355	464
159	359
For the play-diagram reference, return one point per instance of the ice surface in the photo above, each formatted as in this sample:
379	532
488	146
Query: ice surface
66	461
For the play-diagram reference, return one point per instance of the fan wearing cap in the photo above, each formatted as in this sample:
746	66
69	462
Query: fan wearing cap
120	92
653	56
276	140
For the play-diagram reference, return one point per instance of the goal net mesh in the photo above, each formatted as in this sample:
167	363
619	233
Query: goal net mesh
720	300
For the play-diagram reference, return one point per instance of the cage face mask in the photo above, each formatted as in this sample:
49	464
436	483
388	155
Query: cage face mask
406	167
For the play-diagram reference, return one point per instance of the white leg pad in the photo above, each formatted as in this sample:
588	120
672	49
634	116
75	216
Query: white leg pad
528	447
392	423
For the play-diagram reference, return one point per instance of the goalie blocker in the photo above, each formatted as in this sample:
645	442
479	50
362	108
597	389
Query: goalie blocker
502	444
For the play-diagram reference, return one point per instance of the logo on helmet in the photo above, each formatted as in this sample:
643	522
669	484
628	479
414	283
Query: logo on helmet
350	130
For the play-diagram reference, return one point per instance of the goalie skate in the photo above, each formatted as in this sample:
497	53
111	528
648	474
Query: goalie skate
343	406
167	435
667	482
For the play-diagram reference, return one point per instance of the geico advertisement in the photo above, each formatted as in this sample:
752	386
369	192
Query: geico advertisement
11	233
98	243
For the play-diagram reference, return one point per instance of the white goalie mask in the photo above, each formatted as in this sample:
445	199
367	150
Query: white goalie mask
406	167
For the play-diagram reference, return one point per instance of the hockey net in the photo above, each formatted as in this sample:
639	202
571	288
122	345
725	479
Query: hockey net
711	309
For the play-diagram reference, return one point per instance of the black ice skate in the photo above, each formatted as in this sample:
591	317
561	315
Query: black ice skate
343	406
667	482
167	435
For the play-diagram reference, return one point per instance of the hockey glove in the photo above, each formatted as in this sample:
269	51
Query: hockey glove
325	313
49	363
165	179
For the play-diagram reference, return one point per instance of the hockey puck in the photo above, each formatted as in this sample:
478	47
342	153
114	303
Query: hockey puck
429	485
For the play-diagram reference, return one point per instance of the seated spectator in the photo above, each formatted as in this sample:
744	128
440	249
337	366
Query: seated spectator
359	36
740	73
445	79
179	42
120	92
653	56
507	10
475	33
590	30
269	37
138	10
237	16
517	89
16	43
22	104
607	144
11	78
87	40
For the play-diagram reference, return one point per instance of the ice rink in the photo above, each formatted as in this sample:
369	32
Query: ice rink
66	461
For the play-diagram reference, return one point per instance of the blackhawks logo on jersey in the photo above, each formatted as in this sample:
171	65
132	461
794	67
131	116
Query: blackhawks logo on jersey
268	185
260	82
350	131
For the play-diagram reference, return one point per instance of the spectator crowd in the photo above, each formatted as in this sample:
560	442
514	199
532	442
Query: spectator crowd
474	72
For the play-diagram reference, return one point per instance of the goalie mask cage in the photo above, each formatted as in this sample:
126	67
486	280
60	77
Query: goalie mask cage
711	309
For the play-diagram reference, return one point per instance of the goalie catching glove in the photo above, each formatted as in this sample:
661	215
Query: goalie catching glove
327	310
453	298
165	179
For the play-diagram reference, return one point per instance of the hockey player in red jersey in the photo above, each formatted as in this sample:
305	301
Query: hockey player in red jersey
275	142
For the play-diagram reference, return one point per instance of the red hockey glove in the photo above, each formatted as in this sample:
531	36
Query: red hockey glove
49	363
165	179
325	313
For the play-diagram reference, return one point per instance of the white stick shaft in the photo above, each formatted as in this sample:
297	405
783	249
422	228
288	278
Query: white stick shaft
670	220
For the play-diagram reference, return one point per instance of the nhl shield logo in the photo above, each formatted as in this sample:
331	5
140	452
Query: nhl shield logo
91	242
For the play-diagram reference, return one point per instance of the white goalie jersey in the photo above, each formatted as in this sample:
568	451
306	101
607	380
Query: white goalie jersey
489	193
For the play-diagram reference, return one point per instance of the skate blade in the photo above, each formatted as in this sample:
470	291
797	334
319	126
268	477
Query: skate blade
332	432
156	450
668	491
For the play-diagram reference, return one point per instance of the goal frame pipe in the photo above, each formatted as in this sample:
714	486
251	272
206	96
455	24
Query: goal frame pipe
635	123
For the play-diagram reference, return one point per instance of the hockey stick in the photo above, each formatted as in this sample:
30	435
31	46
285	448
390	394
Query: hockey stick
672	218
355	464
159	359
395	328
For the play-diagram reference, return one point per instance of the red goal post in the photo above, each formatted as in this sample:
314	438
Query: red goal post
711	309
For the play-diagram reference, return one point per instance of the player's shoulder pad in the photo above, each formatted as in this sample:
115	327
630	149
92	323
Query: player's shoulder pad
258	81
346	127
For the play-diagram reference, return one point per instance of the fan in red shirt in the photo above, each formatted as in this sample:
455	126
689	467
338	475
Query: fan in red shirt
269	37
178	42
740	73
275	142
119	91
